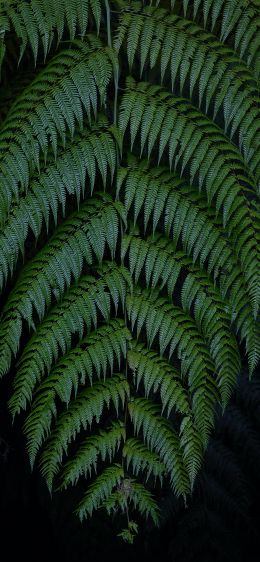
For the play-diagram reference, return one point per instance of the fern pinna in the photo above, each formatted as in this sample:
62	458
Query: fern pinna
129	235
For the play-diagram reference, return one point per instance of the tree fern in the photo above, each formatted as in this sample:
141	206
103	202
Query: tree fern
129	237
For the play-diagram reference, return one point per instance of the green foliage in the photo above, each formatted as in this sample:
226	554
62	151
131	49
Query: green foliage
225	490
47	20
129	236
194	57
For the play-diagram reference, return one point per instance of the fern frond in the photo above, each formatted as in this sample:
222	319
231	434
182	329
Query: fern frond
52	104
93	356
194	57
162	265
156	373
77	310
100	490
211	317
138	456
199	237
80	161
123	365
81	413
131	492
81	237
104	445
174	123
177	332
39	23
239	25
160	436
71	239
143	501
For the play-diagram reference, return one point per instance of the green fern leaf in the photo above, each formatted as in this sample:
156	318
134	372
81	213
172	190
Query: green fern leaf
100	490
81	413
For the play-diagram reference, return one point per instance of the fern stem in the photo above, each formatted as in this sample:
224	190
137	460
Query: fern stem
116	95
109	42
109	37
126	400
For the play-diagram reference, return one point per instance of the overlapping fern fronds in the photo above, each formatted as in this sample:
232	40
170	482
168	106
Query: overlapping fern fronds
129	237
225	490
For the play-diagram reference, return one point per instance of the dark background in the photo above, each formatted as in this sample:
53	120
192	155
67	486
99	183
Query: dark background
220	522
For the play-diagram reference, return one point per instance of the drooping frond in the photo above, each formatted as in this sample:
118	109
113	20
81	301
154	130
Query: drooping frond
100	490
162	265
95	354
160	437
201	135
179	219
52	270
177	332
78	310
104	445
213	163
68	248
192	56
50	106
131	492
238	21
38	423
143	501
200	238
141	459
92	151
155	373
81	413
38	23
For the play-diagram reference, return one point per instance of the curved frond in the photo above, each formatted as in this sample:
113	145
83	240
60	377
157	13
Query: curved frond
239	25
50	106
78	310
81	413
162	265
92	151
105	444
155	373
160	437
177	332
213	164
38	23
191	56
141	459
52	270
100	490
95	355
